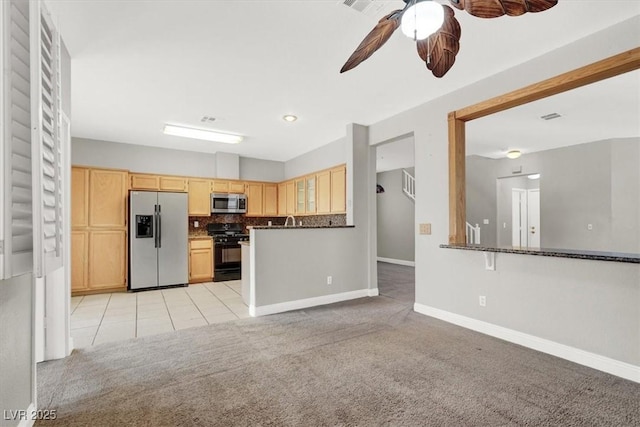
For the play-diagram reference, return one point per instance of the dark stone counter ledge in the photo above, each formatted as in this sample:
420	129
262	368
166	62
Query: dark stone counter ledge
298	227
558	253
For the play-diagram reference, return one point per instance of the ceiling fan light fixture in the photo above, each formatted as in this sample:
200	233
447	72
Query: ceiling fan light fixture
422	19
514	154
205	134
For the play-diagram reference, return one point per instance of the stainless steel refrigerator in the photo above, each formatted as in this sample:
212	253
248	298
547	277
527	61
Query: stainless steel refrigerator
158	239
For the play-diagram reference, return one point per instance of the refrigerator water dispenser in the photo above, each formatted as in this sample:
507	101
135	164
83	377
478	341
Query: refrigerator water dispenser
144	226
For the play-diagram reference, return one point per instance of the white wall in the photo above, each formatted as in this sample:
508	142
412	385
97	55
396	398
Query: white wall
396	218
587	305
331	154
261	170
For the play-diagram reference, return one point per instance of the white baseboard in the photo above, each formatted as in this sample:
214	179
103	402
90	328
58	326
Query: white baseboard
397	261
30	419
592	360
310	302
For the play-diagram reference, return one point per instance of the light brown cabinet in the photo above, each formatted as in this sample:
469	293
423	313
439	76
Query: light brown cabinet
300	196
99	229
282	199
173	183
79	264
227	186
270	205
199	197
254	199
291	197
323	192
339	190
107	259
107	198
79	197
200	260
144	182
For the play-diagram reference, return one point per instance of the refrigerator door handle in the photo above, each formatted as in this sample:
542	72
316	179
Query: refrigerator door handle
155	220
159	226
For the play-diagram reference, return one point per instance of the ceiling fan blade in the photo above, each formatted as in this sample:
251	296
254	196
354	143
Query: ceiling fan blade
374	40
439	50
495	8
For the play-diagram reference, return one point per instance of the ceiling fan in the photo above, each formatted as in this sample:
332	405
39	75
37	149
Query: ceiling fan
435	29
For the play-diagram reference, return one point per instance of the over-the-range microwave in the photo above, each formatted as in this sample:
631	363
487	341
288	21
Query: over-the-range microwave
228	203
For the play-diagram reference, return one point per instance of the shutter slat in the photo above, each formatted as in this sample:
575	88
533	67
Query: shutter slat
22	243
19	15
21	147
19	39
21	165
21	195
21	99
21	133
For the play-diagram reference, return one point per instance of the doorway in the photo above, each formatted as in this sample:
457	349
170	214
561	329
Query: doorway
525	217
395	218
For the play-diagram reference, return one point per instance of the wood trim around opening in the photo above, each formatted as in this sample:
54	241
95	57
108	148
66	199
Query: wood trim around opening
601	70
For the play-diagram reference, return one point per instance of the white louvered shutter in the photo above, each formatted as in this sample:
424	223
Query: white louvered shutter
46	103
16	218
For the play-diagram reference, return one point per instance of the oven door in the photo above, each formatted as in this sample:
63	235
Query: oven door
227	257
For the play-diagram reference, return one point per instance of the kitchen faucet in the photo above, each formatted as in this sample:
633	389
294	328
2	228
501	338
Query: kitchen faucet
293	219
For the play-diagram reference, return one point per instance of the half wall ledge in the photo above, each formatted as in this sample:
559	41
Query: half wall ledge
558	253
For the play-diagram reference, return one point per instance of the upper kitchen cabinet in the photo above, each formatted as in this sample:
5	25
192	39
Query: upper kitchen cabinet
300	196
270	205
255	204
310	183
199	197
227	186
173	183
291	198
144	182
339	189
282	199
79	197
107	198
323	192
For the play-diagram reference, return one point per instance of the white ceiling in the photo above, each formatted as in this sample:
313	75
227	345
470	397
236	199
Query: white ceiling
604	110
139	64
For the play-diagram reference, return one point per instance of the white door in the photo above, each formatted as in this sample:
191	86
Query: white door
533	218
518	217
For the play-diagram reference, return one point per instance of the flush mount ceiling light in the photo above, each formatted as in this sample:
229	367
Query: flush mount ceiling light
514	154
205	134
534	176
289	118
421	19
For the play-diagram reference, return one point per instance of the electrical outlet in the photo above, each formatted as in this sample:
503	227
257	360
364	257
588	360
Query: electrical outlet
482	300
485	221
196	224
425	228
329	280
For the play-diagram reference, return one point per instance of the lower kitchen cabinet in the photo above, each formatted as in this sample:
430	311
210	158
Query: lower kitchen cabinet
98	261
107	259
79	264
200	260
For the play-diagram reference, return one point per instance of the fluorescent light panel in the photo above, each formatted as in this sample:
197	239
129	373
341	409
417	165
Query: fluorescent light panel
207	135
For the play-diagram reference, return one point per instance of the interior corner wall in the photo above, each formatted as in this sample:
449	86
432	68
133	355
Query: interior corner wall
331	154
590	306
396	218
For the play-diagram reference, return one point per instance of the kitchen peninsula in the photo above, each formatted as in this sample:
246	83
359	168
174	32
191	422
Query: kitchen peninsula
289	268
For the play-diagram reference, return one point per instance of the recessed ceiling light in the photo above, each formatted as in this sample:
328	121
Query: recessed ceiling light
207	135
289	118
514	154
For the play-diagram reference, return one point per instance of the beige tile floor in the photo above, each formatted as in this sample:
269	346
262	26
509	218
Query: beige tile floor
97	319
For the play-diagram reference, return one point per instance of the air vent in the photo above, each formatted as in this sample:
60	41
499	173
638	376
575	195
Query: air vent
375	8
208	119
550	116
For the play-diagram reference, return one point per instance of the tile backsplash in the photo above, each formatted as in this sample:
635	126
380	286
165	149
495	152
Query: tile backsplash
316	220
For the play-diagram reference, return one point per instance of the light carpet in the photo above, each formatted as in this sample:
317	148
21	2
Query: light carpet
365	362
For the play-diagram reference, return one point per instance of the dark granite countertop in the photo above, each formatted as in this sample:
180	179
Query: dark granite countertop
297	227
559	253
